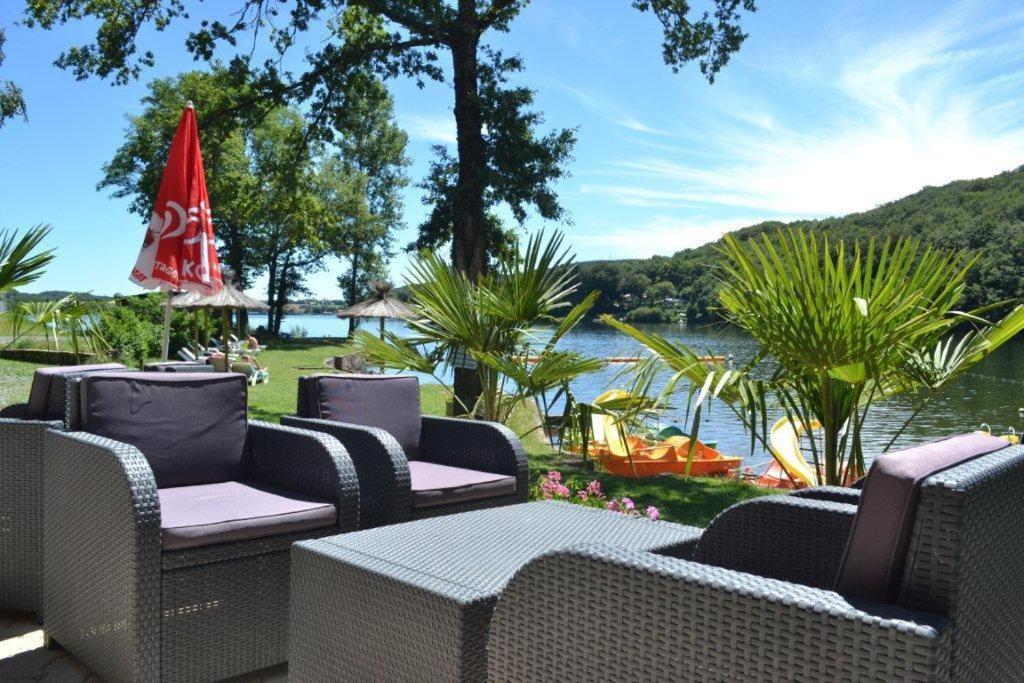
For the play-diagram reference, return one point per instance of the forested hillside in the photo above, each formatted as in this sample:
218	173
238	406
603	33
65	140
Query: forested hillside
984	215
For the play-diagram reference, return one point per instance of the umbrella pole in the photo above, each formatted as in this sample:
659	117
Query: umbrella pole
382	327
224	337
195	329
166	342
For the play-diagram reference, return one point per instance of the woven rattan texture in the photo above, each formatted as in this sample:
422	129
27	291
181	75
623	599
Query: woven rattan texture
133	613
606	613
383	469
412	602
782	537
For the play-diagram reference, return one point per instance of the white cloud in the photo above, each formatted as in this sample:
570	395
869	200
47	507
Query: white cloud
879	120
430	128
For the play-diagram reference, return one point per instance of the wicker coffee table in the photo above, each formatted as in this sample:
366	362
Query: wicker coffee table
413	601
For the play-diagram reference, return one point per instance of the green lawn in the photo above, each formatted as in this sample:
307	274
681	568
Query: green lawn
692	500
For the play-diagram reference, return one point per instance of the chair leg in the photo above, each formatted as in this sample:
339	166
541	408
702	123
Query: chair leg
49	643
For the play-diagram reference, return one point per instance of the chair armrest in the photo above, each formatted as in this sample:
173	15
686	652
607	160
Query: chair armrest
310	463
14	411
792	539
475	445
598	612
836	494
385	496
102	551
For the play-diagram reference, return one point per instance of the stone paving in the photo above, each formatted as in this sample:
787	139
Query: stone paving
23	657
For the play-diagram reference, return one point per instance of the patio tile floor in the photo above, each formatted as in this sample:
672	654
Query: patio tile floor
23	657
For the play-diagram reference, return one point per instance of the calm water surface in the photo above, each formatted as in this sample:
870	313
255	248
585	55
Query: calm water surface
991	393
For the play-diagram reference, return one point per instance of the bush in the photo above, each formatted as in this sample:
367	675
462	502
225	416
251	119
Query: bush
131	339
142	316
299	332
649	314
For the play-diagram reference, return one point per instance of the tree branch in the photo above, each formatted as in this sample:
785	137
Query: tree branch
407	18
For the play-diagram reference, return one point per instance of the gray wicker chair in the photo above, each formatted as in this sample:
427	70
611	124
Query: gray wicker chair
411	465
22	427
782	589
169	518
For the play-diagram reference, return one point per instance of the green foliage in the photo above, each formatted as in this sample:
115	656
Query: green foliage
132	327
12	99
985	216
648	314
662	289
132	340
283	197
494	321
840	327
520	168
21	262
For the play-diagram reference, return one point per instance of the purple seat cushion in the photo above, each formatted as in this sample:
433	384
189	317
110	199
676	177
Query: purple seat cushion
39	395
876	553
434	484
193	516
390	402
191	427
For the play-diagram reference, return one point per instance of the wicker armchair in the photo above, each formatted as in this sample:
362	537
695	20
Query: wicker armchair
22	427
410	465
169	518
919	582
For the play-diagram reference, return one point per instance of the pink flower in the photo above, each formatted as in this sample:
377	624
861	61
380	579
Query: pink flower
652	513
561	491
555	476
582	495
594	489
628	504
612	505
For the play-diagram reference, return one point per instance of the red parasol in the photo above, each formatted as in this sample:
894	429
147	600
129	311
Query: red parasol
178	251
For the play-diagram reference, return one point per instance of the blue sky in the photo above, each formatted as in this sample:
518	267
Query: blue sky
831	107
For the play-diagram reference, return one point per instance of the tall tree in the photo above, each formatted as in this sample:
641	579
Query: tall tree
306	202
397	37
370	144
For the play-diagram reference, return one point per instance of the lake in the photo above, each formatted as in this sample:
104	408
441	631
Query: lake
991	393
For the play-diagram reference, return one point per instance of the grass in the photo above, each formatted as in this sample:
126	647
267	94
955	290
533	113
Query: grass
693	500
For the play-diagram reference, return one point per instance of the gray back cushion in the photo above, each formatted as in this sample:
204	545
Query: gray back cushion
40	406
190	427
390	402
876	553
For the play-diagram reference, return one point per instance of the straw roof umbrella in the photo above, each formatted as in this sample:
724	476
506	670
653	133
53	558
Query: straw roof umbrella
229	298
380	305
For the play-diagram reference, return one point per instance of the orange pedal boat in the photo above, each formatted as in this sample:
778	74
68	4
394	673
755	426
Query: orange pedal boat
666	457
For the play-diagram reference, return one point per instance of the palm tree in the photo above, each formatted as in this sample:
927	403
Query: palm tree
19	266
494	323
840	328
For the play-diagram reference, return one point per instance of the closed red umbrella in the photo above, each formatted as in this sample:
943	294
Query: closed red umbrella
178	251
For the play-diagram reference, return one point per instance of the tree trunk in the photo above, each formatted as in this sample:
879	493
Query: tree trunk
282	293
469	239
272	283
353	292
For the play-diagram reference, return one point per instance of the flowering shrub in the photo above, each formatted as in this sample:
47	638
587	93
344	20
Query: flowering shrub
552	487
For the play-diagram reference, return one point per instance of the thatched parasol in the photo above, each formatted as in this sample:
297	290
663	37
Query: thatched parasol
229	298
380	305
